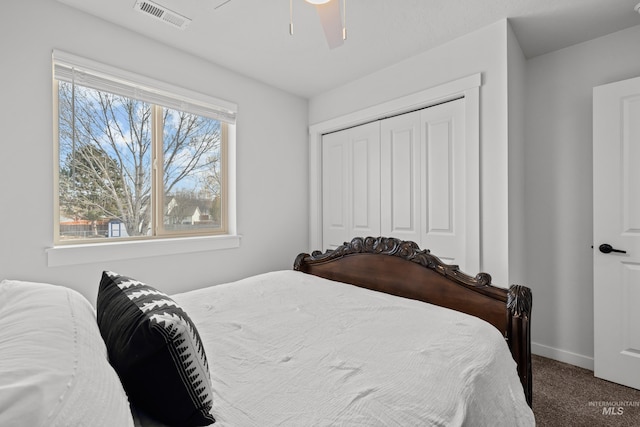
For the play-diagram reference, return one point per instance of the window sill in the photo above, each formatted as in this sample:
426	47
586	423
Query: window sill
113	251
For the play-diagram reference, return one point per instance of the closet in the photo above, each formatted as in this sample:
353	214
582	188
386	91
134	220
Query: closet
403	176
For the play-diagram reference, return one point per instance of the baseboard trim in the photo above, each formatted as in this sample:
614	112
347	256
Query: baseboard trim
580	360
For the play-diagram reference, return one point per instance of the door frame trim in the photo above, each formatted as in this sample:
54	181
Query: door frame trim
467	87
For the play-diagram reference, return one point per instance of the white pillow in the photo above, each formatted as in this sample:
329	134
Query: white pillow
53	363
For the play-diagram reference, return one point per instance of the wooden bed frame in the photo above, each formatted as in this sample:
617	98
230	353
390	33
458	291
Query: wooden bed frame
400	268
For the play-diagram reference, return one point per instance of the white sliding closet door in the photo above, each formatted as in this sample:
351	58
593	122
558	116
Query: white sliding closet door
443	181
400	176
406	177
423	195
350	184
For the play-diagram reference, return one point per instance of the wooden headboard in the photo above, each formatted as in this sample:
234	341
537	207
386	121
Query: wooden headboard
400	268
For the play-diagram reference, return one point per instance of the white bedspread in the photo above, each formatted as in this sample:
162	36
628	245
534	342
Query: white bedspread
290	349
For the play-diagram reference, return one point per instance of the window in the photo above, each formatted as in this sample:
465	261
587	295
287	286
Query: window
136	158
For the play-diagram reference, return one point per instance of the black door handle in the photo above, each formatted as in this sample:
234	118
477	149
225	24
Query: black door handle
606	248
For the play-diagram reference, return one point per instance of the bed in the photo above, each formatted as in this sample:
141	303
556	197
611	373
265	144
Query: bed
414	342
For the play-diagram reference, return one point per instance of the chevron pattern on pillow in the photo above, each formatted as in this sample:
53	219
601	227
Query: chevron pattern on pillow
156	349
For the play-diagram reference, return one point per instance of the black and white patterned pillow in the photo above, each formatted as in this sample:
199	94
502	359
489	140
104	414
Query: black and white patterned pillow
156	350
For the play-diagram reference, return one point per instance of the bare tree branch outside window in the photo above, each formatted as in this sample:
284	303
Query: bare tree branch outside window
106	143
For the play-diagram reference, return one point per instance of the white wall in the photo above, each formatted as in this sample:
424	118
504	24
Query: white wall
516	63
271	153
558	171
484	51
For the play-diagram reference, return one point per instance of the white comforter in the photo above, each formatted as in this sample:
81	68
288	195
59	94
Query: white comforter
290	349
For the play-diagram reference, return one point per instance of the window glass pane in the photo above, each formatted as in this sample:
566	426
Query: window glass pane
104	164
192	172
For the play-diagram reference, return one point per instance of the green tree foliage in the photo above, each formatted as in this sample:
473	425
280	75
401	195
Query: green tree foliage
90	184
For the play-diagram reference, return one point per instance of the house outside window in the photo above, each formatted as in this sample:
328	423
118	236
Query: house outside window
136	158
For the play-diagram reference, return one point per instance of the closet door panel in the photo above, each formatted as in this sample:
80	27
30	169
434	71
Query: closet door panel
350	184
334	189
443	180
400	176
439	177
364	142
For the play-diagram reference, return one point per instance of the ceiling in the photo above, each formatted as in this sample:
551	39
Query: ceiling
252	36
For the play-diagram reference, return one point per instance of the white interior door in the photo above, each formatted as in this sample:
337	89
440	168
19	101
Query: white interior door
400	177
350	184
334	189
364	146
424	185
616	222
444	182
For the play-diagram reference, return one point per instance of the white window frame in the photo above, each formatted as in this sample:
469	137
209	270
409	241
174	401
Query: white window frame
107	78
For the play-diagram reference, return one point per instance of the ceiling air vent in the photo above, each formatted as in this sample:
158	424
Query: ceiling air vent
162	13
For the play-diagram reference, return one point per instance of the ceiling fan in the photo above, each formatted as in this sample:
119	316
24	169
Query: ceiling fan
332	19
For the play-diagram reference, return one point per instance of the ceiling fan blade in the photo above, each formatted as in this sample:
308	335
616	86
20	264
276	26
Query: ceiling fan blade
331	20
219	3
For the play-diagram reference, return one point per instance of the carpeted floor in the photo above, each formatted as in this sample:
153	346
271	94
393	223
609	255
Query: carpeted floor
568	396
